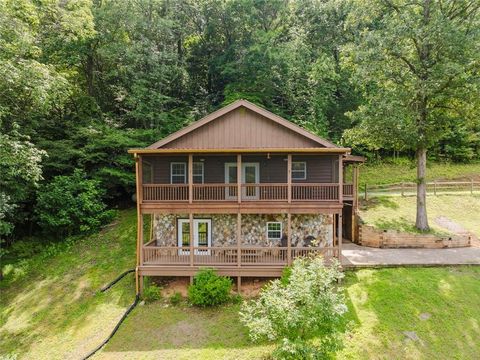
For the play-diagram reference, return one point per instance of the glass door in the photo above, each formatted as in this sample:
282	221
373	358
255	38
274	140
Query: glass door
250	175
202	236
230	178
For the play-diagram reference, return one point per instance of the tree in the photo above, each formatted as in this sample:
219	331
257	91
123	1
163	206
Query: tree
72	204
417	65
302	312
20	174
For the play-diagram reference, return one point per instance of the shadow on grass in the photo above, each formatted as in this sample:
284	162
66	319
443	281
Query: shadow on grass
377	201
60	293
414	313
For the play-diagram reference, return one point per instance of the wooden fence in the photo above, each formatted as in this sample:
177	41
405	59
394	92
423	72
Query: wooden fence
410	188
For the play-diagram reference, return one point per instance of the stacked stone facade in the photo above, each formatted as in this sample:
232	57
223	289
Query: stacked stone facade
307	229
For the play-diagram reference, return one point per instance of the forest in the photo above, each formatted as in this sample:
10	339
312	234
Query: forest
82	81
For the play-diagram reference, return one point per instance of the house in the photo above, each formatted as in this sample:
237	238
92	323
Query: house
244	191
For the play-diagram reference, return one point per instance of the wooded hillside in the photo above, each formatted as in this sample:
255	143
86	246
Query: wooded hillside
82	81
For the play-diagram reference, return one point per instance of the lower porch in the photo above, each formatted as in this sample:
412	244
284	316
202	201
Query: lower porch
235	244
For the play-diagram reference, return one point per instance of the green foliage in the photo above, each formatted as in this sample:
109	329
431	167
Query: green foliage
209	289
176	298
303	314
72	204
152	292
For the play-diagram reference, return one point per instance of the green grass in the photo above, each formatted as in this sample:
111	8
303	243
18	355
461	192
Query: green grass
49	306
395	212
50	309
383	304
384	173
386	303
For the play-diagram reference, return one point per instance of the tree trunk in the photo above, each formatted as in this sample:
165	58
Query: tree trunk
422	220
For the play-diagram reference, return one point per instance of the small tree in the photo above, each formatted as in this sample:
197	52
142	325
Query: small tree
72	204
302	314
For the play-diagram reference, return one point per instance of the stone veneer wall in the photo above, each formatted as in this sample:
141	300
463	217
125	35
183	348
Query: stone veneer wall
306	229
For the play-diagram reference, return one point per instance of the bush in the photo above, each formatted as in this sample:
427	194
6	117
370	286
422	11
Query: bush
72	204
152	292
302	314
209	289
176	298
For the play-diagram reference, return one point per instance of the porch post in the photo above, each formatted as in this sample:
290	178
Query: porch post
239	239
190	178
190	217
289	238
289	177
340	179
138	180
340	235
239	178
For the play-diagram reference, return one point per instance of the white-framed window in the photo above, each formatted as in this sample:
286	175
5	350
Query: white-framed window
178	173
299	170
274	230
198	173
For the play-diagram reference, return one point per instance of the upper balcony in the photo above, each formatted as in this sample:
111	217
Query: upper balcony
273	180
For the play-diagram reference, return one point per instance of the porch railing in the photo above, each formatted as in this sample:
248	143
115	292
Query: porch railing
348	190
224	256
249	192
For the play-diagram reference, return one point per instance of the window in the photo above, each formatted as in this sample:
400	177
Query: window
198	172
274	230
299	170
178	173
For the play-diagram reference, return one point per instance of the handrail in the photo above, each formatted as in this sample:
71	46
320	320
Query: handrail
249	192
229	255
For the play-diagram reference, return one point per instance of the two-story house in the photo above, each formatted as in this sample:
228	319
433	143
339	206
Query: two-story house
243	191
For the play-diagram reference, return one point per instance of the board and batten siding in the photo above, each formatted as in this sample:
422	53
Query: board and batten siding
320	168
241	129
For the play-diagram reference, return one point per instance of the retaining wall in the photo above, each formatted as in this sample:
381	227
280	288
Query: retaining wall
392	239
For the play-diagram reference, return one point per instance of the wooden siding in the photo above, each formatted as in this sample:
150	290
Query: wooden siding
320	168
241	129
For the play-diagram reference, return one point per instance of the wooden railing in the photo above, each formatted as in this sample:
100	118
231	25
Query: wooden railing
249	192
165	192
348	190
224	256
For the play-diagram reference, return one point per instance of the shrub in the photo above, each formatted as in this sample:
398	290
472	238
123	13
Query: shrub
209	289
302	314
176	298
152	292
72	204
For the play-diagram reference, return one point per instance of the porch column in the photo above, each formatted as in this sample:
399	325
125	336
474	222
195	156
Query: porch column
190	178
340	179
190	217
340	235
239	178
239	239
139	195
289	177
289	238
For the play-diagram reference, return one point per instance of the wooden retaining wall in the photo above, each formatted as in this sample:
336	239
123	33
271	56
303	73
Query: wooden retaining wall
372	237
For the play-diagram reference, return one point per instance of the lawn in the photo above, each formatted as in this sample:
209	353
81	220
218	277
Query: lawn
49	305
50	309
403	313
396	212
384	173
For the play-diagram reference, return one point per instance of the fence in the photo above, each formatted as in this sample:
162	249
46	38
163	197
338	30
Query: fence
433	188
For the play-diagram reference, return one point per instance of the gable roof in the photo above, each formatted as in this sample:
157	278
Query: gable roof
299	137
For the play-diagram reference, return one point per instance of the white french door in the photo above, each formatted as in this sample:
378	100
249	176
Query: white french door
202	236
250	175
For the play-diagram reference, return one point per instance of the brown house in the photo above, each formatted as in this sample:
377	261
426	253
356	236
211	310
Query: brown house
244	191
